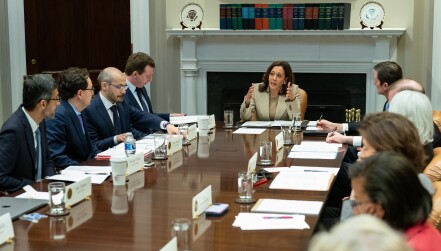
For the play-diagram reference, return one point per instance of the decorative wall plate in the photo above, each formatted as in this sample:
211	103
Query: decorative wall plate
372	15
191	16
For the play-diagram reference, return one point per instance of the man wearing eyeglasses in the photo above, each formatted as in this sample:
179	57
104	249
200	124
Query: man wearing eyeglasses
109	117
68	138
24	157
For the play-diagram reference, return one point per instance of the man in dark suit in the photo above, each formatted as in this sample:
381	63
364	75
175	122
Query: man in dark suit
109	117
68	138
139	72
24	157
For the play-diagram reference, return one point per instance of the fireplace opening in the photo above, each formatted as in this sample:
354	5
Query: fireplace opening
329	94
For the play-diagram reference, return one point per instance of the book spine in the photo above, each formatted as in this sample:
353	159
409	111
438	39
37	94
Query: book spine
347	16
321	16
239	16
245	16
295	17
301	16
334	16
233	16
272	16
290	16
284	17
229	21
308	16
222	17
258	18
265	16
315	16
328	15
252	16
279	16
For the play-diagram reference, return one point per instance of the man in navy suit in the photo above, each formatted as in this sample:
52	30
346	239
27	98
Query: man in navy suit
139	72
68	138
24	157
109	117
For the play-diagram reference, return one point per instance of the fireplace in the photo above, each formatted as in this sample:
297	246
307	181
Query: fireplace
312	55
329	94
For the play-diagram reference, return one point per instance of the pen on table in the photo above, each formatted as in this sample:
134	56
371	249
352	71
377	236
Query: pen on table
321	116
98	173
316	171
277	217
332	133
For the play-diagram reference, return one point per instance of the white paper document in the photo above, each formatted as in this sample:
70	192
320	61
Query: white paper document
75	176
275	169
89	169
265	124
31	193
249	131
294	180
145	146
333	170
176	120
312	155
264	221
315	146
287	206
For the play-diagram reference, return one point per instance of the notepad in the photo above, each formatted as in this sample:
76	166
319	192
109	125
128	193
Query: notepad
287	206
249	131
144	145
295	180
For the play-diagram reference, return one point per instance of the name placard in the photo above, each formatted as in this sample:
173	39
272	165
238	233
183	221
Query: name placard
211	122
192	132
174	144
78	191
79	214
6	230
279	156
201	202
175	161
252	164
135	163
172	245
279	140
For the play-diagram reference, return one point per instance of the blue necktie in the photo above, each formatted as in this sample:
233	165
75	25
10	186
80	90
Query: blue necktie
144	106
81	122
116	120
38	155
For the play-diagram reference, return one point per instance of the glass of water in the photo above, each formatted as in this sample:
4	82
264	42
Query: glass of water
183	130
57	193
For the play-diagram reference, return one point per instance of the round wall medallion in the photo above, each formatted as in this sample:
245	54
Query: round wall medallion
372	15
191	16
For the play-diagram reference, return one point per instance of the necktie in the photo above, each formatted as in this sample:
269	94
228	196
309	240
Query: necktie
144	106
116	120
81	122
38	155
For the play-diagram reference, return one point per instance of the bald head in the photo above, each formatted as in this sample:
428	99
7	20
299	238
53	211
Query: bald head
404	84
113	84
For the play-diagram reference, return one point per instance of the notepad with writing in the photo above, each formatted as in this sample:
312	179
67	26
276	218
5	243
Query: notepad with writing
294	180
287	206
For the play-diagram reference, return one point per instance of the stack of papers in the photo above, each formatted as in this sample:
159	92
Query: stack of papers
308	180
176	120
276	123
145	146
288	206
333	170
314	150
249	131
98	174
262	221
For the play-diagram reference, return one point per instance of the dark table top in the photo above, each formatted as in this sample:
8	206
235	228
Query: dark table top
138	216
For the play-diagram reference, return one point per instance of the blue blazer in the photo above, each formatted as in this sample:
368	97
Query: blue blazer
17	153
131	99
67	143
101	128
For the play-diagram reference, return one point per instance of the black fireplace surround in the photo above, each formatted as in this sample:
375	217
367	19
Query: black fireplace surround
329	94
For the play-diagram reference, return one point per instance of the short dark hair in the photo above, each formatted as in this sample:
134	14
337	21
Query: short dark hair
71	80
137	62
388	131
288	74
391	181
388	72
36	88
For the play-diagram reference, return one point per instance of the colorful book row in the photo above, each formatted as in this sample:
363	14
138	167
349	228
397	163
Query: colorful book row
287	16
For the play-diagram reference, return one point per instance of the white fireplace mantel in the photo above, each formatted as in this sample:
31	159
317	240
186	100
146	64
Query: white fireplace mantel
308	51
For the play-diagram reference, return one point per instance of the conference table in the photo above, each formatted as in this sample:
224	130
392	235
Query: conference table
138	216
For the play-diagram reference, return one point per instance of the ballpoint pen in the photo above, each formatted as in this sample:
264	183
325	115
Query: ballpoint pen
332	133
277	217
321	116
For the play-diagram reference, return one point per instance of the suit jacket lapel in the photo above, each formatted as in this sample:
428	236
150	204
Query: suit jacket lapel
132	99
147	98
75	121
29	137
281	107
104	115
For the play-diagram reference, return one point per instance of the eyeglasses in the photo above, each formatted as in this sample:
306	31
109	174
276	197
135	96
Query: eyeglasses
90	89
262	173
119	87
55	99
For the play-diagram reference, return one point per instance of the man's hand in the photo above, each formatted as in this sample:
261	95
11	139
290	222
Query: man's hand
171	129
121	137
335	137
324	124
177	114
